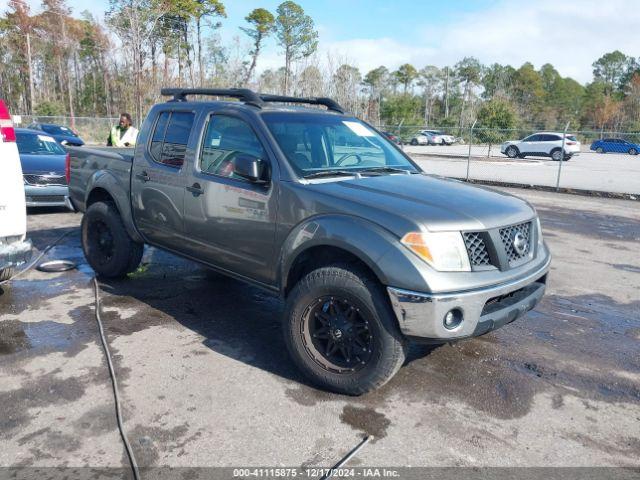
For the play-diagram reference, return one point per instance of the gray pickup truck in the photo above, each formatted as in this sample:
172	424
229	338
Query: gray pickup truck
367	250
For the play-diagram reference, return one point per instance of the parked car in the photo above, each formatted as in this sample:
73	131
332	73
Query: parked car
367	250
394	138
15	249
432	137
43	169
617	145
543	144
63	134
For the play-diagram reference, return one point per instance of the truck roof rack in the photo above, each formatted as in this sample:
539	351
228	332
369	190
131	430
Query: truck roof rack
243	94
327	102
249	97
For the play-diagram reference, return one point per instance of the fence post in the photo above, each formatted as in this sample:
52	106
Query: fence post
470	143
564	139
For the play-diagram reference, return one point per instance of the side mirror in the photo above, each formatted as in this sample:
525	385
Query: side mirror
249	167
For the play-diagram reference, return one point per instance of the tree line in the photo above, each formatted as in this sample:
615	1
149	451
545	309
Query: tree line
52	63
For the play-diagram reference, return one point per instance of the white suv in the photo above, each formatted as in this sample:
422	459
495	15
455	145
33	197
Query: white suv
14	248
543	144
432	137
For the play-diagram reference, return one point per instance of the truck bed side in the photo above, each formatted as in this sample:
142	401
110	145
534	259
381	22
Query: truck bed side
102	171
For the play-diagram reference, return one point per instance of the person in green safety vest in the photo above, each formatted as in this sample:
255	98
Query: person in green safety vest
123	134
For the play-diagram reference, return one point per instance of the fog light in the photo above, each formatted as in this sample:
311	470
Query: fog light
453	319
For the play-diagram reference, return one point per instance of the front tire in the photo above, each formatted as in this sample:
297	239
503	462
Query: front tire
633	151
414	141
512	152
341	332
107	246
599	150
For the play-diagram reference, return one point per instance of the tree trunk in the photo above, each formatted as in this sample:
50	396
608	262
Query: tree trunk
446	95
287	68
254	60
200	70
31	101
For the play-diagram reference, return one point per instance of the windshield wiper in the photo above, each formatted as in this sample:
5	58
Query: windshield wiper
331	173
386	170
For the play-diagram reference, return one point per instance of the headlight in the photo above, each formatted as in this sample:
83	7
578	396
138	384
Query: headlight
444	251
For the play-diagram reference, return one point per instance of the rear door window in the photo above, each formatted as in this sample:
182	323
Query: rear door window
171	137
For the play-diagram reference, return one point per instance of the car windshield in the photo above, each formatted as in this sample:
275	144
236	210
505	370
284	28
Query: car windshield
35	144
317	143
58	130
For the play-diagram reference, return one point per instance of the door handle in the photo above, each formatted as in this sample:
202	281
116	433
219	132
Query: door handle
144	176
196	189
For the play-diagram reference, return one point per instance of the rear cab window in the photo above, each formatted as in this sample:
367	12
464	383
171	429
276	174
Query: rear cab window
171	137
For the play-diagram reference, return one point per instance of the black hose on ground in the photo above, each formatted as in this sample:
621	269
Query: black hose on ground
105	346
114	384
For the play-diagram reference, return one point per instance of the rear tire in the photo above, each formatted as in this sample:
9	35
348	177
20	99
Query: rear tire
7	273
556	155
414	142
341	332
107	246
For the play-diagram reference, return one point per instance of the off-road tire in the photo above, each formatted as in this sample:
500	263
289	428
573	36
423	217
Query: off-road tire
7	273
512	152
126	254
387	344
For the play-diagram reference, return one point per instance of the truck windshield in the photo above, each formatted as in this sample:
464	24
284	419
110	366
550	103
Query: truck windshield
316	143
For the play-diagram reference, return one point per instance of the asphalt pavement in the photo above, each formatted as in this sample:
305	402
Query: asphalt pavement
206	380
610	172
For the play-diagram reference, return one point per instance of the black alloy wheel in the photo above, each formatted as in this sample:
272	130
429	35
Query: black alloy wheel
336	334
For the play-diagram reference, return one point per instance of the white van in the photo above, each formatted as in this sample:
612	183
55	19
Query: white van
14	248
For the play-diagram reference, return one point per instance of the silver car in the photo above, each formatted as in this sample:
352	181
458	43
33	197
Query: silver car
432	137
43	169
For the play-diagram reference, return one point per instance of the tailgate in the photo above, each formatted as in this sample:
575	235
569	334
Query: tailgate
13	214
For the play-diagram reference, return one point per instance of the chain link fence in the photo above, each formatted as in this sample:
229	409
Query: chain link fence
475	154
93	130
604	161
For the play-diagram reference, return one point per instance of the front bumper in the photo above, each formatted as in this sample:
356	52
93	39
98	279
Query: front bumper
421	315
46	196
14	254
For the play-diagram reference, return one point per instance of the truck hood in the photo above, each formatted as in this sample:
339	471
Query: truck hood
425	201
33	164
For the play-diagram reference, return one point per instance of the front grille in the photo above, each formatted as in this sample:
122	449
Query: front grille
477	249
45	179
507	236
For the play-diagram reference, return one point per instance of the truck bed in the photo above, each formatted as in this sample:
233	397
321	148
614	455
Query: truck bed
88	163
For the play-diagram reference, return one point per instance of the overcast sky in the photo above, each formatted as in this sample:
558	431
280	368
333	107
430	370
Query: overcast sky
570	34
